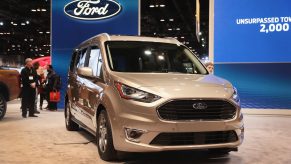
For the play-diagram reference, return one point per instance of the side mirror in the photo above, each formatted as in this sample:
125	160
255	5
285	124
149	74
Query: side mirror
85	71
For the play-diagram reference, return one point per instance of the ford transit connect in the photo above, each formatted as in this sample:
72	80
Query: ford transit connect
144	94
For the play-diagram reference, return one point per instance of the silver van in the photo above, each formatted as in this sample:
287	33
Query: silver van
145	94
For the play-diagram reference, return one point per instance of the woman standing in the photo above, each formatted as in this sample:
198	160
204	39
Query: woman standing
53	85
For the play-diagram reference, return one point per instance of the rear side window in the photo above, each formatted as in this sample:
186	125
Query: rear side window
95	61
72	64
81	58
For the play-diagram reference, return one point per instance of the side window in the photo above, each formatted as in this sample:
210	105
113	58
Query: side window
81	58
95	61
72	64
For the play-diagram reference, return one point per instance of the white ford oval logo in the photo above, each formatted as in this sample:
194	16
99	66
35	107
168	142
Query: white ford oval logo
92	9
200	106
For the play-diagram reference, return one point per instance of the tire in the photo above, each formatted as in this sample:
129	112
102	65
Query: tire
70	124
104	139
3	106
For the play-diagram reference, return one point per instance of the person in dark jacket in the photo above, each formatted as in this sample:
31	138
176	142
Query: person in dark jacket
28	79
53	84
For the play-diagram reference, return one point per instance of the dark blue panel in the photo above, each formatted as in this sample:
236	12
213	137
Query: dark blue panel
260	85
236	42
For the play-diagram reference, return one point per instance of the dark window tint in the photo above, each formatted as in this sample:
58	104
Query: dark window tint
126	56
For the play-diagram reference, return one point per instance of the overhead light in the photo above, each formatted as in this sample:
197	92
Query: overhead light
152	6
162	20
15	24
182	37
160	57
27	22
203	45
41	32
200	33
178	29
148	52
171	20
25	40
43	9
157	5
162	5
12	23
33	10
1	23
38	10
170	29
22	24
47	32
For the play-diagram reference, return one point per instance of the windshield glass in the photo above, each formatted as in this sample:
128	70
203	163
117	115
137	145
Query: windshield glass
146	57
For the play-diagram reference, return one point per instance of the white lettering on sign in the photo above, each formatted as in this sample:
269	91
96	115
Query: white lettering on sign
85	8
268	25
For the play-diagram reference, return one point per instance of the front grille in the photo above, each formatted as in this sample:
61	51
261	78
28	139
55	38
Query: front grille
195	138
184	110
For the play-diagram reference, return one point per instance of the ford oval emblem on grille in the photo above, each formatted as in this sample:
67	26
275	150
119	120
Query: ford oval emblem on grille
92	9
200	106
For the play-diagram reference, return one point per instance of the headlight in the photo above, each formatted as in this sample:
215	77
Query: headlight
235	96
130	93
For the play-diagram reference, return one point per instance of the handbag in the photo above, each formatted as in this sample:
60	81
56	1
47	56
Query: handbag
55	96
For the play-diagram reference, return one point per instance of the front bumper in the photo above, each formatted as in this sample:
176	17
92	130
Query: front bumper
132	115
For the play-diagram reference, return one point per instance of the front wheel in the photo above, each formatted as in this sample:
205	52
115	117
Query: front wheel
104	139
70	124
3	106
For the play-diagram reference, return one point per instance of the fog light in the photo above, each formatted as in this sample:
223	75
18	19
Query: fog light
134	134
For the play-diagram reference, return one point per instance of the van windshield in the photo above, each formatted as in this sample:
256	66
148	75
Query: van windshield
152	57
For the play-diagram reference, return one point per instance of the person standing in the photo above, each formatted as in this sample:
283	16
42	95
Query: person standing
53	84
210	67
28	79
38	83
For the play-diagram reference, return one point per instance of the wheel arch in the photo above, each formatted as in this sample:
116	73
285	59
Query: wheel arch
4	90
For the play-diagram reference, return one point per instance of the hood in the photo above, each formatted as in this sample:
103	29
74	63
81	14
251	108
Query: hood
178	85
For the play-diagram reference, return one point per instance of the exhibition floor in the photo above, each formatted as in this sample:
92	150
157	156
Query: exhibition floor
45	140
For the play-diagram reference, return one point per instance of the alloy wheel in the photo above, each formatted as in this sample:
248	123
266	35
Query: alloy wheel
102	133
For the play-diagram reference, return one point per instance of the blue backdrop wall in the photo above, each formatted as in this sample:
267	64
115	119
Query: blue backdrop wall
76	21
252	50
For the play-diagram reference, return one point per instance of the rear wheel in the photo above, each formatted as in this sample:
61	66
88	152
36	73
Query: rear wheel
104	139
3	106
70	124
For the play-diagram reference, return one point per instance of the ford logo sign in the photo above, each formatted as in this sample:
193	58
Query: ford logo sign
200	106
92	9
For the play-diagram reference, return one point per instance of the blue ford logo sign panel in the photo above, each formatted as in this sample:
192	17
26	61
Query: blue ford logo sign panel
200	106
92	9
